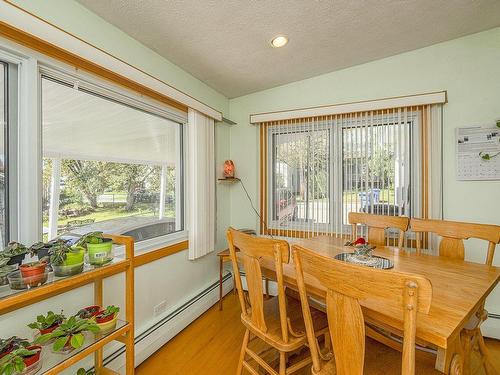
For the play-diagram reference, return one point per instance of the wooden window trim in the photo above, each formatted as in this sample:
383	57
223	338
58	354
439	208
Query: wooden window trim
154	255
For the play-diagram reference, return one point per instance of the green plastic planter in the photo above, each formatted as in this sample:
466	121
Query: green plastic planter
100	253
74	258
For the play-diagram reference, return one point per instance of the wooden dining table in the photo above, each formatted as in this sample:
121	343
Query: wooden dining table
459	290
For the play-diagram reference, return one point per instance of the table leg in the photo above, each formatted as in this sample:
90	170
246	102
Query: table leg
451	360
221	266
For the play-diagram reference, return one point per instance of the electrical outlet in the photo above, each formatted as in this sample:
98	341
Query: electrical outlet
160	308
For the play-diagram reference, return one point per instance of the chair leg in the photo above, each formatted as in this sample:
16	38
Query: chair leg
243	352
282	363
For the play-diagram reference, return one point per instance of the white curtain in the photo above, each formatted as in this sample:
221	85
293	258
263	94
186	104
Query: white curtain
200	184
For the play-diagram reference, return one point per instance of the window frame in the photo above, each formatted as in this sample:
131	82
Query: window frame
107	91
418	158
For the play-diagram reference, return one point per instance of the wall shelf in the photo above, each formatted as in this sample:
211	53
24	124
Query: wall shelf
54	363
228	181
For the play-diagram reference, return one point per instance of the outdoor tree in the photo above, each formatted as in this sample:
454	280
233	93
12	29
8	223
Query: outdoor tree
133	177
89	178
381	166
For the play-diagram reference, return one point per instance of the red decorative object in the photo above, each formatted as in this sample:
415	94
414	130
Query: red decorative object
228	169
360	241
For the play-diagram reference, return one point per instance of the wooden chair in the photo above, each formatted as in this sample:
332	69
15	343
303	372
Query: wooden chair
451	245
276	321
346	285
377	224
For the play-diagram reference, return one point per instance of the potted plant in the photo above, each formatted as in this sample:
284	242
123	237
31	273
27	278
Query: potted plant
106	319
65	260
69	335
82	371
12	343
88	312
42	249
47	324
33	273
21	361
98	247
15	251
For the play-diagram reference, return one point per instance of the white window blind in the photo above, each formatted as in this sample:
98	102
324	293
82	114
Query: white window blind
319	169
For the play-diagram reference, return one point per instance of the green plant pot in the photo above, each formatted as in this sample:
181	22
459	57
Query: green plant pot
100	253
74	258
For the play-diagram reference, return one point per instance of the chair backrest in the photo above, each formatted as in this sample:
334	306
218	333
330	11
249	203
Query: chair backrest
252	251
346	285
377	224
453	234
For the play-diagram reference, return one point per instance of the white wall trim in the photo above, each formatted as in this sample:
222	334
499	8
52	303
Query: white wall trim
23	20
335	109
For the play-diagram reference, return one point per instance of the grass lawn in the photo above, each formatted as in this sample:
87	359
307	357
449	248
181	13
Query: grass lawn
107	213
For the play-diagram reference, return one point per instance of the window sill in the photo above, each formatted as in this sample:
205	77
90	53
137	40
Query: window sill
156	248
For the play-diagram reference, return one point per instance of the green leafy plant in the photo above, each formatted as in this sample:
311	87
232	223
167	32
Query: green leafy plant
13	249
12	343
13	363
109	311
91	237
82	371
59	251
44	322
69	333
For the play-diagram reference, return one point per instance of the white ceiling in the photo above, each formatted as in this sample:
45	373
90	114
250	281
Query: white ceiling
225	43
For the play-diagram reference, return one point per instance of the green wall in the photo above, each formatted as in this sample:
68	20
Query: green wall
468	68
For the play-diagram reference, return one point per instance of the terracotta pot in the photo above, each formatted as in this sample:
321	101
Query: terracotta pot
105	319
50	329
33	275
31	360
94	310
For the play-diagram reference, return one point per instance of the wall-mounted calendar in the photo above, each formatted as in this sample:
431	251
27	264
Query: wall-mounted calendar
470	142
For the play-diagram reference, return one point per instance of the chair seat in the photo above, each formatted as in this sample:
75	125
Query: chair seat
294	312
382	360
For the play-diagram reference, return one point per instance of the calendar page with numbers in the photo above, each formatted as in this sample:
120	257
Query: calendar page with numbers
469	143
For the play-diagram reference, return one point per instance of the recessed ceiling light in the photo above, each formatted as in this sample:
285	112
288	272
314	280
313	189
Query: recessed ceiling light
279	41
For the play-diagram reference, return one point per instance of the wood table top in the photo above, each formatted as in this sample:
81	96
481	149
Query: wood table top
459	288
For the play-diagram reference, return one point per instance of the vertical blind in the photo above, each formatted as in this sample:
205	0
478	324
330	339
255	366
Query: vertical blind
319	169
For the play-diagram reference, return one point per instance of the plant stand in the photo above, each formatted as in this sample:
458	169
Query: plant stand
124	331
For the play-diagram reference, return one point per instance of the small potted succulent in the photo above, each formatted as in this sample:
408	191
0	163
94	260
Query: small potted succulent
34	273
66	260
106	319
15	251
99	248
47	324
12	343
21	361
88	312
69	335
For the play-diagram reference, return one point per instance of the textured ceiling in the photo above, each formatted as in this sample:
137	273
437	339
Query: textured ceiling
225	43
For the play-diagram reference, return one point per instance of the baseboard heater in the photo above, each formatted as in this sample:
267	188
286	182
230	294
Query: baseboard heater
110	358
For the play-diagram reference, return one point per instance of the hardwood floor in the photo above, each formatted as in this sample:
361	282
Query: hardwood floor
211	345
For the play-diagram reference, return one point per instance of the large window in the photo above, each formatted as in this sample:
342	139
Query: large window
319	170
108	165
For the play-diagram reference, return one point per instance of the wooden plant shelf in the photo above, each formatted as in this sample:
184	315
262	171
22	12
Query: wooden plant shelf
54	363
